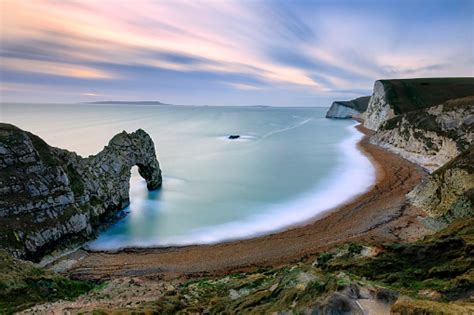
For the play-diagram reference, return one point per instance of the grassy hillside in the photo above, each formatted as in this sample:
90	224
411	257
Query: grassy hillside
405	95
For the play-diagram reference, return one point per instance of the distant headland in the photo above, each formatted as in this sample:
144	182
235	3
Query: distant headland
129	102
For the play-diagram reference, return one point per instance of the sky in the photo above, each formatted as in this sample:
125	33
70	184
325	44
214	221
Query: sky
224	52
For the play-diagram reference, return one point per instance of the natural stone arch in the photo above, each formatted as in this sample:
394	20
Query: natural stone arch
112	167
50	195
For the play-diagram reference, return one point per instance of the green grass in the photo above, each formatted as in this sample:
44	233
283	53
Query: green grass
23	285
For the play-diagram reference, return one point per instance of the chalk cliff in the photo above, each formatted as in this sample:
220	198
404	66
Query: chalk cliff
394	97
430	137
378	109
49	195
429	122
348	109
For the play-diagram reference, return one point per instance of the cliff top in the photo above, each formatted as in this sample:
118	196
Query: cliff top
405	95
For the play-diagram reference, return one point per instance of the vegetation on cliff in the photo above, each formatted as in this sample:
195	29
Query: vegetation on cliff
391	98
23	285
405	95
453	119
432	136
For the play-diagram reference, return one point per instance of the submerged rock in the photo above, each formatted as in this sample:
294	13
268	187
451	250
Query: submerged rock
50	195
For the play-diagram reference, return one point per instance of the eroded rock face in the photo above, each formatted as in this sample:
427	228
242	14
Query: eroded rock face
448	193
49	195
394	97
430	137
379	109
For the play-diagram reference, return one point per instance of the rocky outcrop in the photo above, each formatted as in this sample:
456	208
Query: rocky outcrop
430	137
49	195
448	193
348	109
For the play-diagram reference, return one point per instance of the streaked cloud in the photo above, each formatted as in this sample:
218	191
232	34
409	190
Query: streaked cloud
54	68
228	52
242	86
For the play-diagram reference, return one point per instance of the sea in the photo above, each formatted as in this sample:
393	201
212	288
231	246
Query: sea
289	166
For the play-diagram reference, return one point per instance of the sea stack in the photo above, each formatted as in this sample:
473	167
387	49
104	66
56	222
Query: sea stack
50	196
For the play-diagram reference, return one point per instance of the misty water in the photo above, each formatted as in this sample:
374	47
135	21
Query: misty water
289	165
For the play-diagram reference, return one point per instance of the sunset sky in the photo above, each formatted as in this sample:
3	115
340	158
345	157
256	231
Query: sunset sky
282	53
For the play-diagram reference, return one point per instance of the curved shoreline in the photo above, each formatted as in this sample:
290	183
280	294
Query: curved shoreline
352	174
380	214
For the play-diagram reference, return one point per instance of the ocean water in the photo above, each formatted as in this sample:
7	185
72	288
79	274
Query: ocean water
289	166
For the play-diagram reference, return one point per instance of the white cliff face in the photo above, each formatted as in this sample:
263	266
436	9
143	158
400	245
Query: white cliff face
353	109
430	137
339	110
414	148
378	110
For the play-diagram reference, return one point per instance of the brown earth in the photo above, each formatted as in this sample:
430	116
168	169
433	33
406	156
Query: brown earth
380	215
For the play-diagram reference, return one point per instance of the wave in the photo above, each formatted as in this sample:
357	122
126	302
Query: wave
298	124
353	176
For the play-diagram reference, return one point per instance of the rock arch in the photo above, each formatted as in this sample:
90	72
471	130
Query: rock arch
50	196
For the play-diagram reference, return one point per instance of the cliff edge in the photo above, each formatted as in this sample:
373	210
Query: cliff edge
50	196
